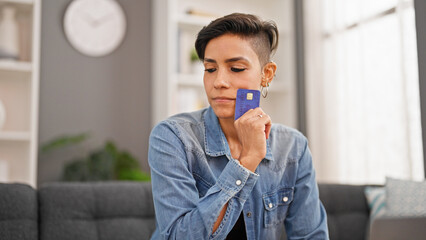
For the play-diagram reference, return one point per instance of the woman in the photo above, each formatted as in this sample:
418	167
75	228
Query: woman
216	178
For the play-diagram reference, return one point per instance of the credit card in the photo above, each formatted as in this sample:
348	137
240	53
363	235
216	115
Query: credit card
246	99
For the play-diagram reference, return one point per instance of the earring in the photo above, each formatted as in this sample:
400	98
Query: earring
264	90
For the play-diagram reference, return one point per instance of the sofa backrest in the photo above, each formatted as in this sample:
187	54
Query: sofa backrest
124	210
96	211
347	211
18	212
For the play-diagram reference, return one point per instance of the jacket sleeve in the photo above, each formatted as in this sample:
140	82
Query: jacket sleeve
306	218
180	212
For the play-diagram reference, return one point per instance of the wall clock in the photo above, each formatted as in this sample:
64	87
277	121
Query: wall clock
94	27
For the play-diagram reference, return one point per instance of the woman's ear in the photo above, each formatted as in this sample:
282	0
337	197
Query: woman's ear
268	73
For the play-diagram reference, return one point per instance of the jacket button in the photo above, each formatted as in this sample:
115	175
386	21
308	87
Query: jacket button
285	199
270	205
248	214
238	182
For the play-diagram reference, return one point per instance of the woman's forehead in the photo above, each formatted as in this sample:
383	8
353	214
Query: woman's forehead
229	47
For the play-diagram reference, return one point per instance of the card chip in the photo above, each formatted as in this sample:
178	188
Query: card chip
249	96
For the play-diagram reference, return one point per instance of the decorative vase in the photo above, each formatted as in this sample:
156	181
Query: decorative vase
9	33
2	115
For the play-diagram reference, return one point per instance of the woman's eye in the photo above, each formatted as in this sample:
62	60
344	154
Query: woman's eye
237	69
210	70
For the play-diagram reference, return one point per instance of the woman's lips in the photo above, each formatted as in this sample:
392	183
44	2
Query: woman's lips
223	99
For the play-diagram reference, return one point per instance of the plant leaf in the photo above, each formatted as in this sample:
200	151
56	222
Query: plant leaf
76	170
134	175
63	141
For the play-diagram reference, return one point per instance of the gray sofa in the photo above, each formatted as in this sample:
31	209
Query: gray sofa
77	211
124	210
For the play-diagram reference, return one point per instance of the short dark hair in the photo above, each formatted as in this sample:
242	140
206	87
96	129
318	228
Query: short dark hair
263	35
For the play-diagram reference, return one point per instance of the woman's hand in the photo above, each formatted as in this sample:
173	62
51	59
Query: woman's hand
253	129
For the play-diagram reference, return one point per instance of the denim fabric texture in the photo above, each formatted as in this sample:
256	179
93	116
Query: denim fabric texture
194	176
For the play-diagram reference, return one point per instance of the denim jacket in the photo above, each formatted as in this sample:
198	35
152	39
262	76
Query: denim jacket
194	176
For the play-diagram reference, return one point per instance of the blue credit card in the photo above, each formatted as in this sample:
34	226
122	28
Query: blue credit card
246	99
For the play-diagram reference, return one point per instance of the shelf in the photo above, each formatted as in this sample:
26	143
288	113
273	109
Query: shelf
14	136
15	161
27	2
19	92
10	65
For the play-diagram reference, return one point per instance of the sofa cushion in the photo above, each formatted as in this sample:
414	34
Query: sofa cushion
18	212
376	197
405	198
347	210
96	211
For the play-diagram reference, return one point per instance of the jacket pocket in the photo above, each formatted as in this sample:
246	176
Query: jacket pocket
276	204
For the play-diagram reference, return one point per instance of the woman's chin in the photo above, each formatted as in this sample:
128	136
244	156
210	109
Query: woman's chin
223	113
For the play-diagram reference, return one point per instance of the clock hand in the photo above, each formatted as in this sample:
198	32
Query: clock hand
89	19
101	20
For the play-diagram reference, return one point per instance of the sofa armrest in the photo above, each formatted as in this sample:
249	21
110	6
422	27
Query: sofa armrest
390	228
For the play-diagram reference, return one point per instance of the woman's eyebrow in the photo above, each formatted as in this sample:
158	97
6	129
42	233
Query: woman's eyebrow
235	59
209	60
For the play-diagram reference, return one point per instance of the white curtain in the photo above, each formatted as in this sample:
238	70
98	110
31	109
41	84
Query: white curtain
362	90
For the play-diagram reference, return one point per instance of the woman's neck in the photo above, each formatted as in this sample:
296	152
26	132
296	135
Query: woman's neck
231	135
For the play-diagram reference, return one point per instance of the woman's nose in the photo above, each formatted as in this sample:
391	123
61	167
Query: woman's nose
222	80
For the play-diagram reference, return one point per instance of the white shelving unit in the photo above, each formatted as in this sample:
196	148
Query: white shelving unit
176	88
19	86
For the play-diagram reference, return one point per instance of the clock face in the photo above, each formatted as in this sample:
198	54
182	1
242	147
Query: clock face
95	27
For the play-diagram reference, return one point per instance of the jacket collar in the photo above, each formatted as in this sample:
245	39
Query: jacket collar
215	140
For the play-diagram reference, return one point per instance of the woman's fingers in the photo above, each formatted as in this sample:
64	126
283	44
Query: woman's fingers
253	129
257	118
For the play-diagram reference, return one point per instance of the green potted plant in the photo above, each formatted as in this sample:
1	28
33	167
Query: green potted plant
101	164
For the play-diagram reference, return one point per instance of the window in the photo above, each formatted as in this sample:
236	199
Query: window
362	90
